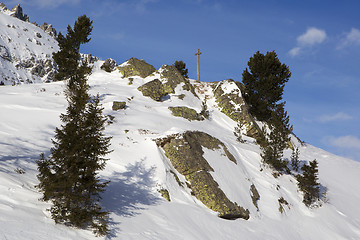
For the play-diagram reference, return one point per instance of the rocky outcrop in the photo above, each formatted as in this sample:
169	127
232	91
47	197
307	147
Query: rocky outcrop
136	67
153	89
255	196
233	105
186	155
187	113
118	105
18	13
49	29
4	53
172	77
109	65
3	7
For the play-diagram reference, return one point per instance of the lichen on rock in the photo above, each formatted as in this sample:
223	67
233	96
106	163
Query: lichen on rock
186	155
187	113
233	105
118	105
165	194
136	67
255	196
153	89
173	78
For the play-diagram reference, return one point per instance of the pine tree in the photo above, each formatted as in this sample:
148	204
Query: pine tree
295	159
68	177
264	83
181	66
274	143
308	182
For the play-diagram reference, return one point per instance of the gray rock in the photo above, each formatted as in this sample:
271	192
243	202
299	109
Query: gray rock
108	65
153	89
136	67
4	53
118	105
18	13
48	28
3	7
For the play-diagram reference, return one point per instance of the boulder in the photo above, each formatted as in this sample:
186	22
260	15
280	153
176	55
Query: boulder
186	155
187	113
118	105
136	67
153	89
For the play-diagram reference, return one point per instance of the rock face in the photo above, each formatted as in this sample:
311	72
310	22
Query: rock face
153	89
186	155
136	67
48	28
233	105
172	77
18	13
4	53
25	49
109	65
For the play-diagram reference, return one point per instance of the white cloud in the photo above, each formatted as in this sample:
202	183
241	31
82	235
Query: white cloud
336	117
46	3
348	146
295	51
350	39
311	37
346	142
308	39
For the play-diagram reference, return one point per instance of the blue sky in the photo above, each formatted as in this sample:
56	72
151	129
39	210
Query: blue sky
319	40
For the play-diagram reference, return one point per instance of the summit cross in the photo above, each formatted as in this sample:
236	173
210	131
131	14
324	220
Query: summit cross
197	54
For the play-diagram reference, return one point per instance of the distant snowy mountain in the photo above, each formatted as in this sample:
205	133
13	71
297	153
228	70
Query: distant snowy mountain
176	164
25	49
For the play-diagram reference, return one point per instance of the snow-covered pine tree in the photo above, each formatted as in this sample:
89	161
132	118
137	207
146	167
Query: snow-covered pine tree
68	177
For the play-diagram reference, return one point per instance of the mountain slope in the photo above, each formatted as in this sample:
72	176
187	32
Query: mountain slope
157	107
25	51
138	169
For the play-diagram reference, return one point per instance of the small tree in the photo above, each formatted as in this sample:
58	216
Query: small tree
308	182
68	178
181	66
295	159
274	143
264	83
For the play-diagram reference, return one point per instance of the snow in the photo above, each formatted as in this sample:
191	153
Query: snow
138	169
23	41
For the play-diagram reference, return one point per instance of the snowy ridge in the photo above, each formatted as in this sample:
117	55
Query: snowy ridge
25	51
138	169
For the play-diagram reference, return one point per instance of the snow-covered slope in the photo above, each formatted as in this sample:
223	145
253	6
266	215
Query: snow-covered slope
138	168
25	51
